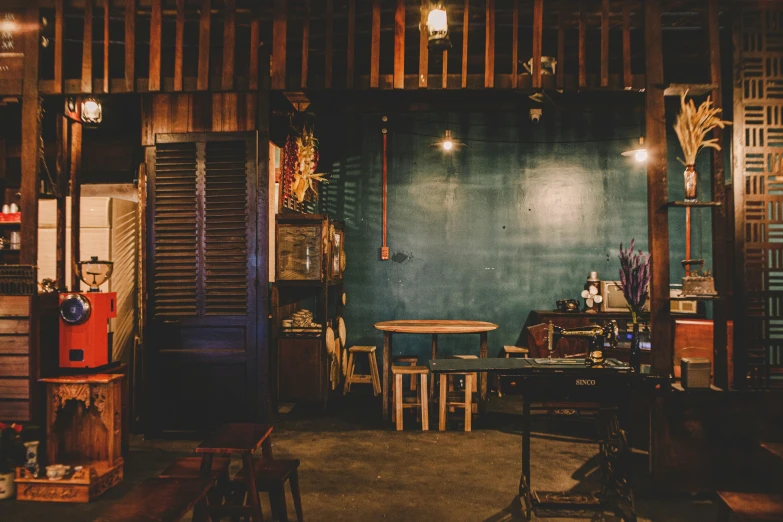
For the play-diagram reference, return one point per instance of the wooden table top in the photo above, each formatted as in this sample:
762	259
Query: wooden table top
158	499
776	448
435	326
98	378
236	438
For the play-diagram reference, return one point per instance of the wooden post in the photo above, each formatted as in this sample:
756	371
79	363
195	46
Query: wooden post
87	48
627	76
424	55
560	80
604	43
262	266
156	28
305	45
515	45
538	36
106	76
489	46
59	24
179	45
31	136
657	193
278	44
351	59
255	41
719	214
76	193
582	52
399	45
202	80
465	28
63	177
329	45
229	33
130	44
375	45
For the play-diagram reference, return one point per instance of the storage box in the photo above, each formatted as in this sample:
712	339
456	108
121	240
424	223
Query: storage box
695	372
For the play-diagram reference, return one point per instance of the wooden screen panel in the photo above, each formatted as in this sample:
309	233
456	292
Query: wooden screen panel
758	150
174	229
226	216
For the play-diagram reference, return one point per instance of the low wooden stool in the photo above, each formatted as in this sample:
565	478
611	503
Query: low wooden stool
446	402
353	378
410	360
271	475
421	396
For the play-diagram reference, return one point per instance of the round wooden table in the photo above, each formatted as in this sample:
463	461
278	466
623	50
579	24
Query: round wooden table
432	327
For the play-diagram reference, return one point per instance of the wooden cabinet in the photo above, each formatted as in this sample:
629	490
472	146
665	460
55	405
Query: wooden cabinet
17	359
309	261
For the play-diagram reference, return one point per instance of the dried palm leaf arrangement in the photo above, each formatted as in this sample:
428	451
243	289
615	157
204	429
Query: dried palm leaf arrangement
302	153
692	127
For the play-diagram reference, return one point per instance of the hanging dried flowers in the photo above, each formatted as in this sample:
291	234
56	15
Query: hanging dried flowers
634	279
693	125
301	160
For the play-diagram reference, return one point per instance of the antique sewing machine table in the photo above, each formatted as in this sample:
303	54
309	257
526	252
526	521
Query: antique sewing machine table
607	385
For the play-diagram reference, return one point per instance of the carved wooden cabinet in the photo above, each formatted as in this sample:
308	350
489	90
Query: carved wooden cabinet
83	428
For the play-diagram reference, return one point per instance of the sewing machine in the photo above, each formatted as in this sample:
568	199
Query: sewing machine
596	335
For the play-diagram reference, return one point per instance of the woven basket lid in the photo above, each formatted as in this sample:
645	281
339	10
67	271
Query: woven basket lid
330	348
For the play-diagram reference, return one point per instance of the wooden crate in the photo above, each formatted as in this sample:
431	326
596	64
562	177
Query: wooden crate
86	485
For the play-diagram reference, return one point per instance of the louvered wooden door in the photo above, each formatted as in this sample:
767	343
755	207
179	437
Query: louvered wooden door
202	367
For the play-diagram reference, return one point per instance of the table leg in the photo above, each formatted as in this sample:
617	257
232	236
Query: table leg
442	403
483	376
252	490
434	356
206	465
387	348
526	447
266	448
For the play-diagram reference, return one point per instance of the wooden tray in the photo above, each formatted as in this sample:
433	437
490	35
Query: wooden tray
82	487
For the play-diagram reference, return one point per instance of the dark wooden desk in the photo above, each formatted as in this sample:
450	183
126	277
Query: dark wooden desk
161	500
570	379
242	439
433	327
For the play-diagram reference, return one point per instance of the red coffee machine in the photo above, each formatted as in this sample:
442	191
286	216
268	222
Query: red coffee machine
85	333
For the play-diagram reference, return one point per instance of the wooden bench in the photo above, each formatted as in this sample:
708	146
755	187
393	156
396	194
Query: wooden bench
161	500
271	476
750	507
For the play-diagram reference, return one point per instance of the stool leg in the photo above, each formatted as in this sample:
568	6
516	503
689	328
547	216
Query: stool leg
277	500
347	386
425	413
442	403
294	482
398	400
376	380
468	401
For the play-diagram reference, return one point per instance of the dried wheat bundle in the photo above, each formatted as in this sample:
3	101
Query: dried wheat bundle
305	177
693	125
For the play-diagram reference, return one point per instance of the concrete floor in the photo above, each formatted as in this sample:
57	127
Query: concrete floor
355	468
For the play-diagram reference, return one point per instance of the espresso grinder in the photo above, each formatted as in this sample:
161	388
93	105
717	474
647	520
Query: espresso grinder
85	331
596	336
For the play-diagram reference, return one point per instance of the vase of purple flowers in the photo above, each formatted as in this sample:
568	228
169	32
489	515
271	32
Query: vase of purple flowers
635	283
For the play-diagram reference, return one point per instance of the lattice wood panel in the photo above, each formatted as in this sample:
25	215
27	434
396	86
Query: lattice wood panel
759	175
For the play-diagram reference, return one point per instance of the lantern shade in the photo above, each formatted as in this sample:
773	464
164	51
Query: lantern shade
92	112
438	29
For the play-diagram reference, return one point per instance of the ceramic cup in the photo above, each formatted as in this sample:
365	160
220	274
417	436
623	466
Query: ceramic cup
55	472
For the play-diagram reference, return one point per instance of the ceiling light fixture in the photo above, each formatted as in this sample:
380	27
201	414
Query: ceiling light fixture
639	153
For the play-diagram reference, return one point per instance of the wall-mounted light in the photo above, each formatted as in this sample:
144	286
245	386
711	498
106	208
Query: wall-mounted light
639	153
8	24
92	111
448	143
438	28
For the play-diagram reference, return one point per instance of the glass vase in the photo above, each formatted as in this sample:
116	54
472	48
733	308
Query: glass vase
691	177
636	353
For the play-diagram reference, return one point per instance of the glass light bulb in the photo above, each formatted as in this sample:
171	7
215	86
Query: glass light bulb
437	22
8	26
641	155
448	144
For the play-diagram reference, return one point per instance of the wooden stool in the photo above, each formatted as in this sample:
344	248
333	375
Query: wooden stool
445	402
421	396
409	360
271	475
373	378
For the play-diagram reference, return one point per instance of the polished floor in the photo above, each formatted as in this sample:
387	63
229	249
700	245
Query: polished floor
356	468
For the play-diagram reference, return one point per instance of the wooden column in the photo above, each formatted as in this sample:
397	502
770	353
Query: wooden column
399	45
179	45
76	193
278	44
538	36
515	45
229	42
106	76
627	76
560	80
59	25
657	193
130	44
305	45
63	177
156	30
31	136
424	55
582	52
465	30
205	18
489	46
719	222
86	48
329	44
604	43
262	267
375	44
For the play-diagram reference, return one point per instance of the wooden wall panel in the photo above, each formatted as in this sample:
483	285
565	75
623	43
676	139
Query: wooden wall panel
279	44
399	45
229	42
106	45
87	48
59	26
179	45
375	45
130	45
156	30
202	82
489	46
31	134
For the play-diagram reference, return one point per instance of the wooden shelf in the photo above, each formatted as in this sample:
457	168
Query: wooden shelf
695	298
694	204
17	223
693	89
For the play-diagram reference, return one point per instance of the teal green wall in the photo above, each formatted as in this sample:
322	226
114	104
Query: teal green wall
508	224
